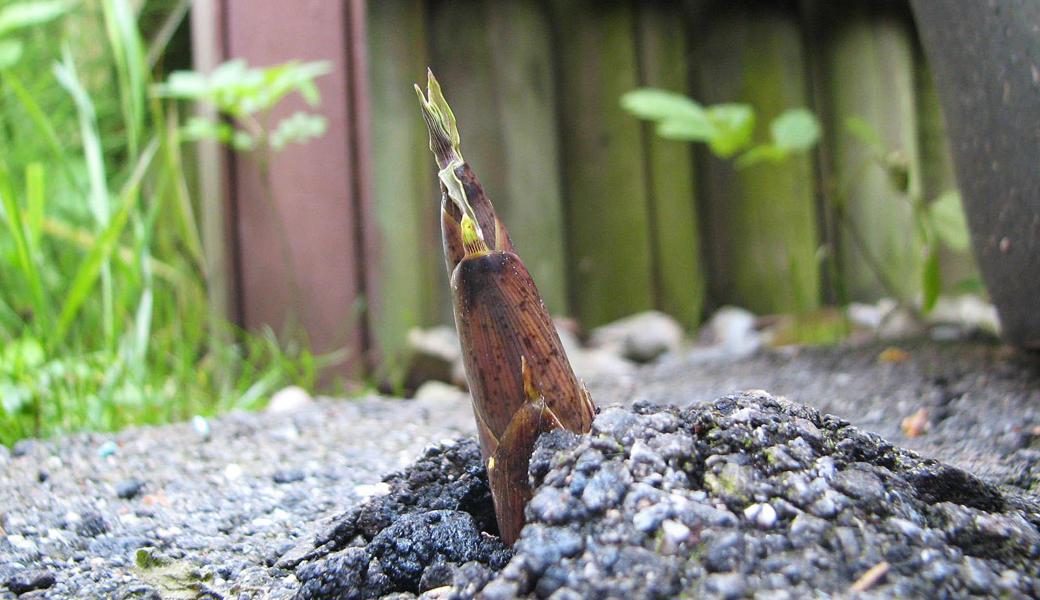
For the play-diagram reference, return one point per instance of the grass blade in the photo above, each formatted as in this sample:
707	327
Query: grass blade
43	125
34	204
26	264
100	201
66	74
90	268
128	53
162	37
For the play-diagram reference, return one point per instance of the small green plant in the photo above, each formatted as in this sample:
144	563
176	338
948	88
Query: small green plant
245	98
727	129
18	17
103	319
938	222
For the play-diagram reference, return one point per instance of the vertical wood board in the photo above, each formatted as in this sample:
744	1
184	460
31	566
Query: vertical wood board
761	221
524	80
868	62
678	274
312	186
605	193
216	215
410	272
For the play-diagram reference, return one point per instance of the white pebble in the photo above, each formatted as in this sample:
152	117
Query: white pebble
376	489
289	399
21	543
201	426
232	472
675	531
762	514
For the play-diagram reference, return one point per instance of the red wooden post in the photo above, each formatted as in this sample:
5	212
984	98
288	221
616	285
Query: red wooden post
300	257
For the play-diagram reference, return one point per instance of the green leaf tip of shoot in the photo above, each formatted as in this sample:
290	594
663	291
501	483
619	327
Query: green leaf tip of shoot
472	238
440	122
444	143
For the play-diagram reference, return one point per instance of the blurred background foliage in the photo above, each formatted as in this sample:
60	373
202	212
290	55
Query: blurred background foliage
812	181
103	318
785	156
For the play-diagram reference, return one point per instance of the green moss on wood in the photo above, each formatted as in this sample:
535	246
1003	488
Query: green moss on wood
678	274
869	67
412	291
761	220
496	60
609	247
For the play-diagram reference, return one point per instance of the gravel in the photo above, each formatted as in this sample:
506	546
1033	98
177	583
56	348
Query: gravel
211	512
743	496
659	501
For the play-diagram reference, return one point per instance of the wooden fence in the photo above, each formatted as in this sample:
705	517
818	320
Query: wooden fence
610	218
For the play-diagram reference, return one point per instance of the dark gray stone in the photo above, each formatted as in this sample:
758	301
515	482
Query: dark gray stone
127	489
29	580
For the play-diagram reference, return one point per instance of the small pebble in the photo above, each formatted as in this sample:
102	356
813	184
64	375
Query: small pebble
675	534
107	449
763	515
232	471
30	580
201	427
128	489
288	476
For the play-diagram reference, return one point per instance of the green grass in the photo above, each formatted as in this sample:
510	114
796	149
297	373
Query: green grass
103	318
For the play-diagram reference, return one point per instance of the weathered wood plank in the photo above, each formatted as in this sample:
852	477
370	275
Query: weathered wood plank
524	77
495	65
678	275
761	220
608	237
412	287
313	197
218	235
868	64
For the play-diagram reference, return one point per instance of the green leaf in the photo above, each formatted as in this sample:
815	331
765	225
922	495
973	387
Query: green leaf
43	125
970	285
186	85
27	14
240	140
762	153
947	220
35	199
22	354
686	130
931	280
795	129
238	90
658	105
90	267
299	127
10	53
12	214
734	125
862	130
198	128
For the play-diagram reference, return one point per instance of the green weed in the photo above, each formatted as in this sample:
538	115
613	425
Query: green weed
103	298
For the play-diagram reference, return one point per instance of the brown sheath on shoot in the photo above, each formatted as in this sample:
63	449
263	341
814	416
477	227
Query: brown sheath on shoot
521	382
